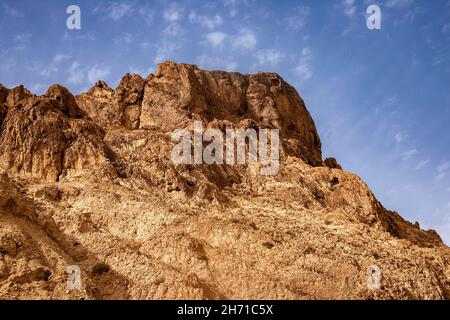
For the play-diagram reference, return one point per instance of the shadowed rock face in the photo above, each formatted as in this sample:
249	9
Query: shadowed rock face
88	181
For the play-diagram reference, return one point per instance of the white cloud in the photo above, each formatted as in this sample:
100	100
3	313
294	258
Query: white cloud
164	50
422	164
245	40
444	229
400	136
53	66
37	88
349	7
98	72
303	69
232	6
143	72
304	72
22	37
442	170
215	62
172	30
76	74
409	154
297	20
446	28
216	38
119	10
388	103
123	39
173	13
144	45
147	13
210	22
268	56
60	57
398	3
12	12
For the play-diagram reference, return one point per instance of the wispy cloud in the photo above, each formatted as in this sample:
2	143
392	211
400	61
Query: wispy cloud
54	66
387	103
210	22
120	10
124	39
349	7
217	62
422	164
172	30
173	13
216	38
164	50
268	57
76	74
401	136
409	154
446	28
12	12
98	72
117	10
303	69
297	20
232	6
398	3
442	170
244	40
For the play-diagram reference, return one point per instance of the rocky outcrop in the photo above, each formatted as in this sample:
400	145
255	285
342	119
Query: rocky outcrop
16	95
128	97
88	181
43	138
332	163
177	93
115	108
65	100
97	104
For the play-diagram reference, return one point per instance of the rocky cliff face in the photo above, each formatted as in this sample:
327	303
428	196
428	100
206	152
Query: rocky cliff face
88	181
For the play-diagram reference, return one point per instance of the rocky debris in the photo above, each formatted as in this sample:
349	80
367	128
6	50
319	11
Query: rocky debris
89	182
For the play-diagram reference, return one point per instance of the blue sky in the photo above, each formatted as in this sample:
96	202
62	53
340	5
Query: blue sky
380	98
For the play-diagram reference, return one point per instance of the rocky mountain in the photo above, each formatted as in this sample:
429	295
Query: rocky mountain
88	181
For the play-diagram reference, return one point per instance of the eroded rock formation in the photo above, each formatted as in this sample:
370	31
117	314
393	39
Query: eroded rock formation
88	181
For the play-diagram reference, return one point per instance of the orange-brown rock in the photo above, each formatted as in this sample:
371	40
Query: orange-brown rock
178	91
88	181
16	95
40	138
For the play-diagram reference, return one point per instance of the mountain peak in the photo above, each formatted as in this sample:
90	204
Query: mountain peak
89	181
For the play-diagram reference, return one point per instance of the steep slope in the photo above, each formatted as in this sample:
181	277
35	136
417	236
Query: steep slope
89	181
